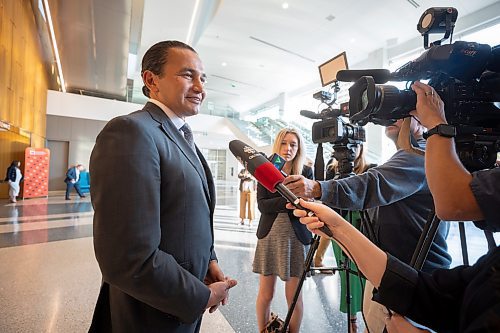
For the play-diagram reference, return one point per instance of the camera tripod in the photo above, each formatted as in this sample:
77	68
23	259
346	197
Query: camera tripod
345	155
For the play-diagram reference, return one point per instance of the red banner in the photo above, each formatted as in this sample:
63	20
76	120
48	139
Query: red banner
36	172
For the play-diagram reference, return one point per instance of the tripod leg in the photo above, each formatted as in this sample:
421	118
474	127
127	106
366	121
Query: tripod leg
463	243
424	243
423	236
307	265
426	246
490	239
348	294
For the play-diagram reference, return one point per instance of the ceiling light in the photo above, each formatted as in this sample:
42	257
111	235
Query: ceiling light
223	64
54	45
284	5
191	24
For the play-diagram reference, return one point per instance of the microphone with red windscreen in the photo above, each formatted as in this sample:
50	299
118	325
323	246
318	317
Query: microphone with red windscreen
267	174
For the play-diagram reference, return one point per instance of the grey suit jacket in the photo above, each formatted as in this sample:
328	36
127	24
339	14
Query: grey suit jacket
153	225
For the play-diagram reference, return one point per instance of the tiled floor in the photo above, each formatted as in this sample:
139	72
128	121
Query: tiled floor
49	278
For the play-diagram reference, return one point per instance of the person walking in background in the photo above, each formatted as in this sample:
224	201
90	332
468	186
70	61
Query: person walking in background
247	196
281	246
71	180
153	233
14	177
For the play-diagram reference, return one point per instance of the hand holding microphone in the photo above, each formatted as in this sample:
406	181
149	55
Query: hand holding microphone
266	174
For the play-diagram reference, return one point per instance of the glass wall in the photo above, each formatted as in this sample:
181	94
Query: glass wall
216	159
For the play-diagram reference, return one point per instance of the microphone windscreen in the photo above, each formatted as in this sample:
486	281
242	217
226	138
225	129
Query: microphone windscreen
268	176
257	164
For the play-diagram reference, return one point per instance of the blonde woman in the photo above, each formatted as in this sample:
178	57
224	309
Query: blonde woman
281	247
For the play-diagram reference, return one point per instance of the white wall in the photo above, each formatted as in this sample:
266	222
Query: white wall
86	107
210	132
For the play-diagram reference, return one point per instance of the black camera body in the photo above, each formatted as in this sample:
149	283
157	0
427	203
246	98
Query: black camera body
332	128
465	75
461	74
336	131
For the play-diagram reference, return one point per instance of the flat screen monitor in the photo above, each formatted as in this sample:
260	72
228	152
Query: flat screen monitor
328	70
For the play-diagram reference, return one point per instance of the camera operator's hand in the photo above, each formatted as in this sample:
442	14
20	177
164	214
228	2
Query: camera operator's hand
448	179
430	108
303	187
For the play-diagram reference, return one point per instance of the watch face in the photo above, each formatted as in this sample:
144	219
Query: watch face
447	130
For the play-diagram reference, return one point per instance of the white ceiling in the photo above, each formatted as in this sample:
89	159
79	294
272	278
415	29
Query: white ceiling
269	50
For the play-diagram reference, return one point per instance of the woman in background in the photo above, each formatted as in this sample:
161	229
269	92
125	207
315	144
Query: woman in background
14	177
281	248
247	196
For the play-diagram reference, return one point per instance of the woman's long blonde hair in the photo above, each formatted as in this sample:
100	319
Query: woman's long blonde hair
300	157
360	164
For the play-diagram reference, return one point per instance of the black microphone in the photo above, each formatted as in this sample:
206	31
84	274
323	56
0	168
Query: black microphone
351	75
267	175
310	114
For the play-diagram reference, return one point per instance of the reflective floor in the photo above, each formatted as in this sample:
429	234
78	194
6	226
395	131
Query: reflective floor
49	278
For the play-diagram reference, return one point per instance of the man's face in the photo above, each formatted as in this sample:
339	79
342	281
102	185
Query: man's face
180	87
392	131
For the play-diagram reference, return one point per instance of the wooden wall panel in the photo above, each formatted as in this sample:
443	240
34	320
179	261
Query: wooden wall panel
12	148
24	81
22	69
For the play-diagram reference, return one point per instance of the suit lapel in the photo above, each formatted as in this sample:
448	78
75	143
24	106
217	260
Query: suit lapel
175	136
210	180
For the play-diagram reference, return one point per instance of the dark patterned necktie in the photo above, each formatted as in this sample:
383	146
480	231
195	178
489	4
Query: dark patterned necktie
188	135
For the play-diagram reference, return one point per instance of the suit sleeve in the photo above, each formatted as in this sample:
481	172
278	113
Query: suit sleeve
400	177
126	178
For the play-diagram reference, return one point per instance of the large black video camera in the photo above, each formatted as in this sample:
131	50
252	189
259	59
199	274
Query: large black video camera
466	75
332	128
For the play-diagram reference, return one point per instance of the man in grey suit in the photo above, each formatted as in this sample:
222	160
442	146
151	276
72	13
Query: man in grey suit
154	198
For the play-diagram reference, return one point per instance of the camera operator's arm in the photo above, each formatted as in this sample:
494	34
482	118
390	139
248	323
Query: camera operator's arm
400	177
448	179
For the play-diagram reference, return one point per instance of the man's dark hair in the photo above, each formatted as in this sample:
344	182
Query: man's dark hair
156	57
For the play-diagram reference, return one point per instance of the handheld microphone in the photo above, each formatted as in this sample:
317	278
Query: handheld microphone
351	75
267	174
